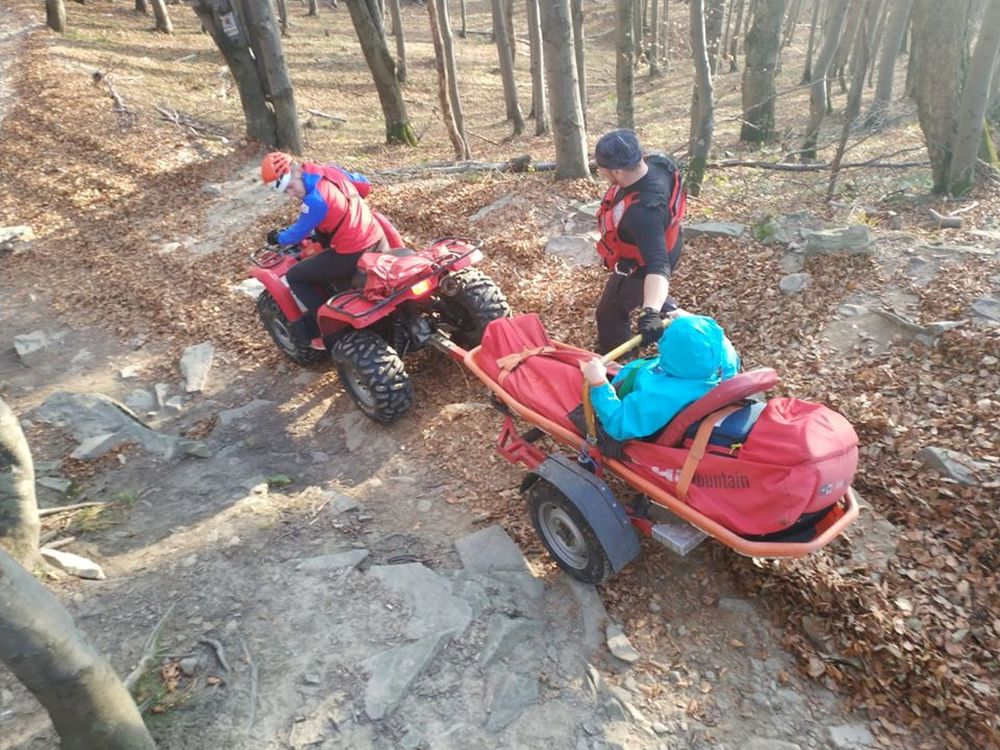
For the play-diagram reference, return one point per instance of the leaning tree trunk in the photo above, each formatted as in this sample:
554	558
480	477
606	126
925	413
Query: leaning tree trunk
55	15
560	66
624	63
444	89
703	104
539	102
883	16
993	109
713	29
939	38
511	103
899	18
818	84
763	44
163	24
266	44
654	40
974	103
449	60
397	28
579	50
19	523
847	39
220	20
810	45
397	123
791	23
464	30
39	642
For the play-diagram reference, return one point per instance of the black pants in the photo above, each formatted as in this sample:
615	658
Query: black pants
305	278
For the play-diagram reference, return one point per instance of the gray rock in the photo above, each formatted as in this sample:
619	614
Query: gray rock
433	608
488	550
500	203
794	283
924	334
211	189
392	672
336	561
850	737
189	665
761	743
250	409
852	240
849	310
503	633
195	448
511	695
412	740
619	645
308	731
55	483
96	446
252	288
140	401
770	231
169	247
592	612
31	347
76	565
958	466
339	502
175	402
17	239
739	606
986	308
576	249
714	229
160	390
132	371
792	262
195	364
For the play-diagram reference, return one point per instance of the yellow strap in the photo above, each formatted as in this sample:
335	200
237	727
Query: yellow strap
697	450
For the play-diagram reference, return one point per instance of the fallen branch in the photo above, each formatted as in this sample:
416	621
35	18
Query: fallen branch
191	124
319	113
787	167
253	684
220	654
66	508
945	222
149	650
127	116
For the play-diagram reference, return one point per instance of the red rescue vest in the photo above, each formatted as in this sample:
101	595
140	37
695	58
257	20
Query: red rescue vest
348	221
611	247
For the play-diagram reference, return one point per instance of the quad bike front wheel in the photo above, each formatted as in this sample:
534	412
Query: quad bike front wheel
277	325
566	534
477	300
373	375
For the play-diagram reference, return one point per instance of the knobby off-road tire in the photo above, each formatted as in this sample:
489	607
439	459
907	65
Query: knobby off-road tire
277	325
477	302
373	375
566	534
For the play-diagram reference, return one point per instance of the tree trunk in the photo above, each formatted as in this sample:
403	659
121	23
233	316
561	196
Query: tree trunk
763	45
713	29
666	34
449	60
397	27
818	83
939	38
266	45
654	40
397	123
727	35
974	103
734	42
895	30
579	49
994	106
807	72
220	20
282	6
568	127
883	16
141	6
163	24
624	64
55	15
41	645
636	32
847	43
513	107
19	523
313	6
701	112
508	17
793	19
444	89
539	103
463	33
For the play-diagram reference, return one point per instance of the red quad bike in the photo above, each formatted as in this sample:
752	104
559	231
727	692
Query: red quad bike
769	479
397	303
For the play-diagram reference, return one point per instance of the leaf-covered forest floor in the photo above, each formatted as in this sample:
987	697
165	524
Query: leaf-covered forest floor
915	643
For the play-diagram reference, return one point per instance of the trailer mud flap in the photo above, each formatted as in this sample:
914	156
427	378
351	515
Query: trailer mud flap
594	499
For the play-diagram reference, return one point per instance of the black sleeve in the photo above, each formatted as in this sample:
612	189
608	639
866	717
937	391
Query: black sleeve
645	226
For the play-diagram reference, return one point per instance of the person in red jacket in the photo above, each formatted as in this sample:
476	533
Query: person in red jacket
639	221
335	214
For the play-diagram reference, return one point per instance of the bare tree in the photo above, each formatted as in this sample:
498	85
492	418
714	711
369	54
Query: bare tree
560	67
397	30
163	24
636	32
763	45
624	63
367	22
734	42
791	22
974	102
55	15
899	18
313	6
464	30
883	16
539	102
19	523
702	116
503	42
666	33
444	90
807	71
715	12
141	6
818	83
654	40
579	50
728	34
282	6
449	60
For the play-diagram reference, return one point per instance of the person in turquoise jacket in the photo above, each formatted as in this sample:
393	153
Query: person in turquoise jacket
695	356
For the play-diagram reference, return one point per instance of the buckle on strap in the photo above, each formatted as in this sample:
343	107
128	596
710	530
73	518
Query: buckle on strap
621	272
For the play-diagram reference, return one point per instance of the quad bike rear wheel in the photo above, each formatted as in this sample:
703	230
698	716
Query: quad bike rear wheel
373	375
277	325
566	534
476	301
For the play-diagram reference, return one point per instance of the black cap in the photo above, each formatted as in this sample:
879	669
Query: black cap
618	149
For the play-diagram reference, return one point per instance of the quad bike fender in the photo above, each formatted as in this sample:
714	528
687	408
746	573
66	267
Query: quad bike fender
391	234
595	501
278	289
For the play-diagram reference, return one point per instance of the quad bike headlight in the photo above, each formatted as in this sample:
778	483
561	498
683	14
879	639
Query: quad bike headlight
448	286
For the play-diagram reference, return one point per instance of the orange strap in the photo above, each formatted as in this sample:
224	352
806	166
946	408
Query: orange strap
510	362
697	450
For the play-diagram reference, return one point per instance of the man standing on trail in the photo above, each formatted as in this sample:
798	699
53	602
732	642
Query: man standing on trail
335	213
639	221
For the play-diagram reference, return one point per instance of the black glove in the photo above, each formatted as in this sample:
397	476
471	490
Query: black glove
272	237
650	325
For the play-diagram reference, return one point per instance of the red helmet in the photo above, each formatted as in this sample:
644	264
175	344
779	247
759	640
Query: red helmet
276	170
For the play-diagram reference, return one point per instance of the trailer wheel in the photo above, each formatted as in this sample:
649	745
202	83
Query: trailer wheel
566	534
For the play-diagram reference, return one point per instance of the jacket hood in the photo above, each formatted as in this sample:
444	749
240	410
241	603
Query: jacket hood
693	347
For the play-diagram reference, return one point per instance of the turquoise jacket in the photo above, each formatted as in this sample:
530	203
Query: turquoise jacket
695	356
